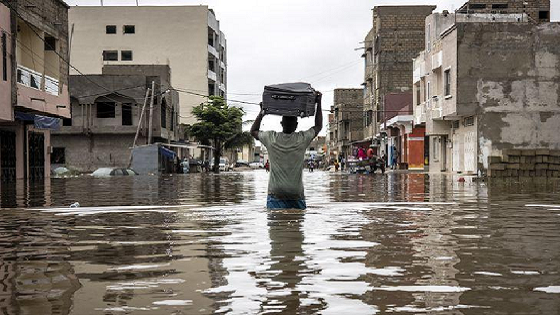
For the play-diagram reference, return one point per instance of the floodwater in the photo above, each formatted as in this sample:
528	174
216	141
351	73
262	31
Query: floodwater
205	244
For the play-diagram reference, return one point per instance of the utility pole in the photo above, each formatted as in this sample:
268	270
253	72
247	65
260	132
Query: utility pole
150	121
139	126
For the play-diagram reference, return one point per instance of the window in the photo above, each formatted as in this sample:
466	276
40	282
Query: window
369	117
126	55
455	124
172	125
50	43
469	121
129	29
163	113
211	89
500	6
105	109
4	58
67	122
110	55
417	94
447	82
58	156
210	37
126	115
111	29
211	65
544	15
477	6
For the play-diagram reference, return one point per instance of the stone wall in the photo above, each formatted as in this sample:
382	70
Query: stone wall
526	163
531	7
349	103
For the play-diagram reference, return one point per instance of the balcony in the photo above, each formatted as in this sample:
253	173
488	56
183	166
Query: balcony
222	87
213	51
420	114
212	75
436	109
437	60
36	80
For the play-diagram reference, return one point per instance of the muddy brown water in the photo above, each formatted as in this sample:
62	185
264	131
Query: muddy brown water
205	244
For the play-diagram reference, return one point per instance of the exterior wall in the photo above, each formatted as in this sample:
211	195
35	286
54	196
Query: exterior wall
180	40
86	153
464	148
369	88
516	94
6	112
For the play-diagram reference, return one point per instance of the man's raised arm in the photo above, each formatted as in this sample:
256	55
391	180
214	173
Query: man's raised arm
318	115
255	128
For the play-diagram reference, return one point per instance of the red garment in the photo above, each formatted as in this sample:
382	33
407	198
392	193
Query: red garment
361	153
370	153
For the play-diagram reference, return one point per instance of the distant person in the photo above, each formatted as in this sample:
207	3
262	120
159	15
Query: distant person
342	164
370	153
361	154
336	166
311	166
286	150
267	166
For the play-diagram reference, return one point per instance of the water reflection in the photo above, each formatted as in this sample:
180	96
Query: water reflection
205	244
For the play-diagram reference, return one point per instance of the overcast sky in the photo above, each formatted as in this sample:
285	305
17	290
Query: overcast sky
276	41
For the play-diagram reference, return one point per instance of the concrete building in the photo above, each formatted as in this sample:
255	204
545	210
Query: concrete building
33	85
186	38
487	90
536	10
397	36
106	111
347	124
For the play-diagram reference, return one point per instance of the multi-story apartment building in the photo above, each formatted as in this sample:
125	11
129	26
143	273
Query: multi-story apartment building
106	113
396	37
347	124
186	38
33	84
486	88
536	10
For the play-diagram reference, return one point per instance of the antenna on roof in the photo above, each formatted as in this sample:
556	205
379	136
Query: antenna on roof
136	2
101	2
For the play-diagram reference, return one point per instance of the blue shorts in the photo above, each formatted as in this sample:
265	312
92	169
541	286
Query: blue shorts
273	203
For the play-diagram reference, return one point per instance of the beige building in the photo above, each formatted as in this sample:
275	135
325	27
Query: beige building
487	84
186	38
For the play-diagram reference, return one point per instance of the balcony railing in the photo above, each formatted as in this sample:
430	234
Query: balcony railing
420	114
36	80
212	75
213	51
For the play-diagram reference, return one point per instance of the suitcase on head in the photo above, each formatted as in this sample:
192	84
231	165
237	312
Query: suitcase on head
289	99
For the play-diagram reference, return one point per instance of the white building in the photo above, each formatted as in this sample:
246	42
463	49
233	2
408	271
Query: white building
187	38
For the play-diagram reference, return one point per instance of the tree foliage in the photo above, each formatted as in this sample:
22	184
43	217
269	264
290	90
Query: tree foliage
218	123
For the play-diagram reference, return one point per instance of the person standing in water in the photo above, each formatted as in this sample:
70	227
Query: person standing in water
286	152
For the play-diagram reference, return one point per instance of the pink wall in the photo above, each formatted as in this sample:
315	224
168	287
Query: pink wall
6	112
43	102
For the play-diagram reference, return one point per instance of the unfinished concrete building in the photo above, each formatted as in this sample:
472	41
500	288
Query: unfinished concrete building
397	36
487	88
106	115
536	10
347	124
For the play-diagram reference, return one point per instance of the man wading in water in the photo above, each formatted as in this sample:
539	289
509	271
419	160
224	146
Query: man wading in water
286	151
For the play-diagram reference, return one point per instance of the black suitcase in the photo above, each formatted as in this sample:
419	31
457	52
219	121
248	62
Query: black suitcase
289	99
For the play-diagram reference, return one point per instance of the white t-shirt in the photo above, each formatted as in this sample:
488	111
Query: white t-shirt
286	154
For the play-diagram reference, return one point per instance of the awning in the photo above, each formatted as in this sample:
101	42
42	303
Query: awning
39	122
167	153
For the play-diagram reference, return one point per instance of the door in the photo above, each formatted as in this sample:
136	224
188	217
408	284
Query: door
456	153
470	152
36	156
8	156
126	115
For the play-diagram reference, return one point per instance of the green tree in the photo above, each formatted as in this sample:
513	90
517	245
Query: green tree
218	124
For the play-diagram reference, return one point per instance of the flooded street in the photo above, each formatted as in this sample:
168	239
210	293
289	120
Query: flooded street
205	244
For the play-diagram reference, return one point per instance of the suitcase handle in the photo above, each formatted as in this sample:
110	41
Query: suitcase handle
283	97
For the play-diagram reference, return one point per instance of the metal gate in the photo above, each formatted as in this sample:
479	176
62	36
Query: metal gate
36	153
8	155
